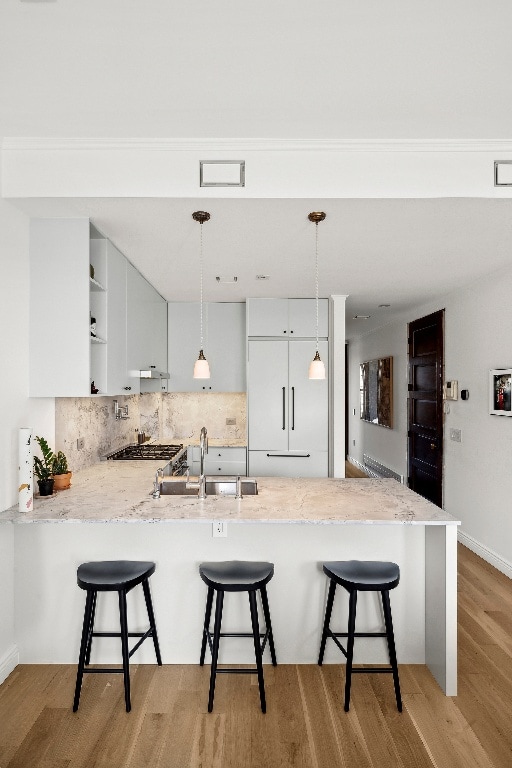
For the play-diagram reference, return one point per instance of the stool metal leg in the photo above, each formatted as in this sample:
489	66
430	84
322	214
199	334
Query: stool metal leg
327	620
83	648
206	626
151	617
391	646
266	613
350	645
91	629
257	647
124	647
215	650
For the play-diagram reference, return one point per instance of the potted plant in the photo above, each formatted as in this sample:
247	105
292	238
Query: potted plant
61	473
43	468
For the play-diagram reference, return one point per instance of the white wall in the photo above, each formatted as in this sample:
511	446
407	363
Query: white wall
477	476
16	409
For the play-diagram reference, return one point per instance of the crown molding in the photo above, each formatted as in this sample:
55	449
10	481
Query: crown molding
20	143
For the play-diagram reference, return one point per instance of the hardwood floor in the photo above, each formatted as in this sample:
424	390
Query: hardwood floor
352	471
305	725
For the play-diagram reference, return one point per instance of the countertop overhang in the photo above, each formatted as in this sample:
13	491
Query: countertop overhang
120	492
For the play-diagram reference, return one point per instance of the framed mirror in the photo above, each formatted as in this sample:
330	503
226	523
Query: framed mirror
376	391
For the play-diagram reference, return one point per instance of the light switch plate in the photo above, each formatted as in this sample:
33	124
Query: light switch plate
455	435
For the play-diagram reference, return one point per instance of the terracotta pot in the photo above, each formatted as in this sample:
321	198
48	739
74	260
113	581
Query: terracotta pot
61	482
45	487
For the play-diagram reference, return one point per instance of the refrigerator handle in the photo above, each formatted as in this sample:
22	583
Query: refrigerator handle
284	407
293	407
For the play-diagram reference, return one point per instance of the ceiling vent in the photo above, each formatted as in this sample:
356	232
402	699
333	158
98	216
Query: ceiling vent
222	173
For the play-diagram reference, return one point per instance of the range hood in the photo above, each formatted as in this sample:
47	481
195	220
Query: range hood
152	373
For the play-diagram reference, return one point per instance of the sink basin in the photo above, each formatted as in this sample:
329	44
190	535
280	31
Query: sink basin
217	487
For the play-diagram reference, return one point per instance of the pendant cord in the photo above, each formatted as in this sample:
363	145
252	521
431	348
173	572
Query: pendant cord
201	284
316	280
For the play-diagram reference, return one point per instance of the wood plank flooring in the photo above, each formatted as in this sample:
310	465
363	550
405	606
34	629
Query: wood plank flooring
305	725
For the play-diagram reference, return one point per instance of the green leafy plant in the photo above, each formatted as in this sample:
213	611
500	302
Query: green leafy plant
60	464
43	468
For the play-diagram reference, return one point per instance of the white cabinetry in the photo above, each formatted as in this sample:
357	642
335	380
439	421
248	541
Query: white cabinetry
64	355
146	331
220	460
64	359
287	318
287	412
224	346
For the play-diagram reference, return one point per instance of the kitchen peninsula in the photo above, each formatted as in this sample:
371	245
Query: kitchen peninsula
109	513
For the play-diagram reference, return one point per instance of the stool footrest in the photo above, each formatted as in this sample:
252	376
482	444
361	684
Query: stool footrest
233	671
371	669
103	670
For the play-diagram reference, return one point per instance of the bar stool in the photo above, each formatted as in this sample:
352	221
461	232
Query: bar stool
119	576
362	576
237	576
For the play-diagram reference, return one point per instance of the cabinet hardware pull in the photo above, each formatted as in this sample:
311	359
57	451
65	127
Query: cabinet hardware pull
127	388
289	455
293	406
284	407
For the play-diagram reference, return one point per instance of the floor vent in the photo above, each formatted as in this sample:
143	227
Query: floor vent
375	469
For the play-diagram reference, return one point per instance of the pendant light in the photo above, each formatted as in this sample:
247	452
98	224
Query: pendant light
201	367
316	366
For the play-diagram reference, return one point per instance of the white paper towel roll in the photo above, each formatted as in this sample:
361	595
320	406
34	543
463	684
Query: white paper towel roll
26	481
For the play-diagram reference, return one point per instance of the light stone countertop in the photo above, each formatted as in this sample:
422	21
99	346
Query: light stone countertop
120	492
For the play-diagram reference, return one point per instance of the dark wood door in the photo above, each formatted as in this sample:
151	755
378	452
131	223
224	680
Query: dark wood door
425	406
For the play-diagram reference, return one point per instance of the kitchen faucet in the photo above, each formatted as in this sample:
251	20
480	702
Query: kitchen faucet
203	447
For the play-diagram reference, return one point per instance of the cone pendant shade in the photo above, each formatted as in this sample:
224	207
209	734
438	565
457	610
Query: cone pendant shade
201	367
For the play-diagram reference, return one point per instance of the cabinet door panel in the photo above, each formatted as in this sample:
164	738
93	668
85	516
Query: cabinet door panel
302	317
267	408
267	317
308	402
313	464
117	369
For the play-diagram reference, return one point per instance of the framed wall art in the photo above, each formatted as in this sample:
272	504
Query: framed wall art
376	388
500	381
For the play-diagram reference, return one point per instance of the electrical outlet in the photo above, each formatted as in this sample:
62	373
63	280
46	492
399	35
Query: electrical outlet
455	434
219	529
230	422
80	444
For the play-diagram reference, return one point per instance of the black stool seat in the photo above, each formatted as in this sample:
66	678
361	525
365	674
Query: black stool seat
237	576
119	576
112	575
364	575
361	576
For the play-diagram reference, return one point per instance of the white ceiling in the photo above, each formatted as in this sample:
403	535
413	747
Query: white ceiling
399	252
292	69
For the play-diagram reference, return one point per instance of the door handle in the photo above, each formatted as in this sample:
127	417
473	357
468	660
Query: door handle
293	407
433	446
284	407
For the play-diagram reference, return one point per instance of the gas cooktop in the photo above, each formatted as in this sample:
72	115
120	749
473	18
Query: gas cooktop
148	452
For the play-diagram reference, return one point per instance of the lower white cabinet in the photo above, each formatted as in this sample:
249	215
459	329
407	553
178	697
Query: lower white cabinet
289	464
221	460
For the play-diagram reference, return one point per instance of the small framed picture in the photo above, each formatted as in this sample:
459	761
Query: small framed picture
500	381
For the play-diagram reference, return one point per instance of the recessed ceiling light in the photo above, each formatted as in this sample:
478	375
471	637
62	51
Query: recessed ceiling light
221	279
361	317
262	277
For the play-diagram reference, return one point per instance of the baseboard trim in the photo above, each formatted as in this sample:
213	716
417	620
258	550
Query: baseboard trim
8	662
356	463
489	555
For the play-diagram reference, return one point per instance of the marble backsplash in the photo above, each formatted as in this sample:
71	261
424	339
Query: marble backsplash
164	416
169	416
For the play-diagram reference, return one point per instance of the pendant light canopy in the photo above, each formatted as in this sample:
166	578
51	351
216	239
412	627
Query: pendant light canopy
201	367
316	366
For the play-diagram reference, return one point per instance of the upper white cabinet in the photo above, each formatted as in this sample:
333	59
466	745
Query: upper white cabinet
287	318
77	275
146	331
224	341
